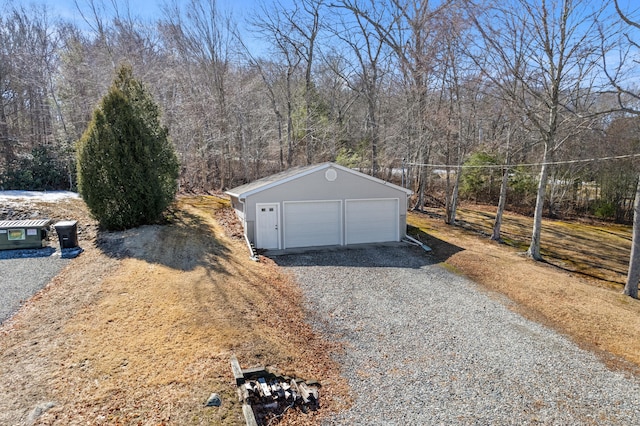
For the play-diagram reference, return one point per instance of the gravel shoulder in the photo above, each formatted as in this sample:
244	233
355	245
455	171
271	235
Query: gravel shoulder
426	346
21	277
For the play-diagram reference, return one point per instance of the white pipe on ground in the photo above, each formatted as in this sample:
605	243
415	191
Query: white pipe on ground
244	227
253	255
418	243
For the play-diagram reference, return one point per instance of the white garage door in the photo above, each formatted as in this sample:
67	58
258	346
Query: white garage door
312	223
372	221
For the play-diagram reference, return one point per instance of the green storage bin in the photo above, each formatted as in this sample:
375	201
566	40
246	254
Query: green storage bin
23	234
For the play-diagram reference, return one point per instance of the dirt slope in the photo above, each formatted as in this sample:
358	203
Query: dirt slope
140	330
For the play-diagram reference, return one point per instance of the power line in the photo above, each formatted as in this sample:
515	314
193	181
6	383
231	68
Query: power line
501	166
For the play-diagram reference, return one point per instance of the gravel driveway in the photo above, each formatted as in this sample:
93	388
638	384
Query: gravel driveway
427	347
23	273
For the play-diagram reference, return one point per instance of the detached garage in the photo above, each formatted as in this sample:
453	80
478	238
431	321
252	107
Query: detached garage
320	205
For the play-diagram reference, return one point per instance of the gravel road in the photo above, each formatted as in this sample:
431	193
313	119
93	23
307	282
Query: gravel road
23	273
427	347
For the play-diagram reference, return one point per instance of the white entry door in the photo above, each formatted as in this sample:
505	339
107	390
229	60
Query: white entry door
267	226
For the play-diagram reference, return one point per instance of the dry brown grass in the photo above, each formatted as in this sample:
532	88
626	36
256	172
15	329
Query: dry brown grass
140	330
566	296
594	249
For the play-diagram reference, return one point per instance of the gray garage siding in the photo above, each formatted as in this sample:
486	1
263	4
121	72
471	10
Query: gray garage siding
312	185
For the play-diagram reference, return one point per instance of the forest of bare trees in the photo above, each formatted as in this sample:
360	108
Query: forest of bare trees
466	99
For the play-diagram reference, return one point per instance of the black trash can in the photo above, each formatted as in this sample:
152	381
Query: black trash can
67	233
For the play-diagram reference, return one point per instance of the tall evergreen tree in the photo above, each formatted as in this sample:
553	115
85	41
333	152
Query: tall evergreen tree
127	167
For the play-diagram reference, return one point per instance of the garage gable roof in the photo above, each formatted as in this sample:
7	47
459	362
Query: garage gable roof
293	173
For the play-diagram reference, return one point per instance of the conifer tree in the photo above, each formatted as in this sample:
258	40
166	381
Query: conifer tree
127	166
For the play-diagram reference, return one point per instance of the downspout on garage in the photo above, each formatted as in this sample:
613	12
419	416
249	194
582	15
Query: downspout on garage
252	249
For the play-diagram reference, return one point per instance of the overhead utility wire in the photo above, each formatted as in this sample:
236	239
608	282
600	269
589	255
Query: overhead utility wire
501	166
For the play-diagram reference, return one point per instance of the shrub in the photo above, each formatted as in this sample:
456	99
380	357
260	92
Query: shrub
41	170
481	181
523	185
604	209
348	158
127	167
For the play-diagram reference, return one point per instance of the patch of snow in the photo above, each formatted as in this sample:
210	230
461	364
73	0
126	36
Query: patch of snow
37	195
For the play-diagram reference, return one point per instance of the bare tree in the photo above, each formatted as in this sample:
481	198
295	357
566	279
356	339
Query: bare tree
502	200
368	50
411	29
510	135
307	26
28	61
200	36
265	68
463	86
271	25
7	72
551	49
295	30
631	285
340	114
628	99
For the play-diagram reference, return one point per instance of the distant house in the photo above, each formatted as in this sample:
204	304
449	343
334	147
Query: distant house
320	205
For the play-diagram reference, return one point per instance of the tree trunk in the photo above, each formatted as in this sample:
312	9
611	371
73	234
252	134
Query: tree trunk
280	140
421	187
453	207
502	201
289	122
534	247
373	123
447	197
422	175
631	287
6	148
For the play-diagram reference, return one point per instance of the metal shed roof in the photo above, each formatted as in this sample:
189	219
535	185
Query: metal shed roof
267	182
24	223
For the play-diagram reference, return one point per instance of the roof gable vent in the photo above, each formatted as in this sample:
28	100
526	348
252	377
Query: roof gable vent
331	175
